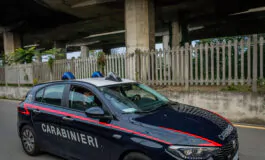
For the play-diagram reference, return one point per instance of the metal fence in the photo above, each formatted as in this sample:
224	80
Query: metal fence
221	63
205	64
81	68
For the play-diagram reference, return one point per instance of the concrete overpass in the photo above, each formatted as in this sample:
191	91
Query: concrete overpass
135	24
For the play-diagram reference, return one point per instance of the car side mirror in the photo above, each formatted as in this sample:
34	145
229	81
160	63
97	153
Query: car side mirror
96	112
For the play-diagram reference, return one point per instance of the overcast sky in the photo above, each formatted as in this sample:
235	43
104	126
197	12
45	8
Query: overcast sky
115	50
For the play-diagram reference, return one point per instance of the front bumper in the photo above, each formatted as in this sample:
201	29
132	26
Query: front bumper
169	156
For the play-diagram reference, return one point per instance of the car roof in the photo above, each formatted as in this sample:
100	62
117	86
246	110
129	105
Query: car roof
100	82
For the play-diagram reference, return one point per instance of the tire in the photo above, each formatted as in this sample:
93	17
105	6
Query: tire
136	156
29	140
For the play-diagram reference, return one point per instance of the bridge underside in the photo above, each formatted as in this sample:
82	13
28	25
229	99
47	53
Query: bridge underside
101	23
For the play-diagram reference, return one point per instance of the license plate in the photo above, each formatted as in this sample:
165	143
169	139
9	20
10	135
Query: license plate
236	157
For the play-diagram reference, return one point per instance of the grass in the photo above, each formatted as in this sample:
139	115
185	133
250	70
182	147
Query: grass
210	88
238	88
243	88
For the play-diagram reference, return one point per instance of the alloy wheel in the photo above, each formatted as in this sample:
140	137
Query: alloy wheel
28	140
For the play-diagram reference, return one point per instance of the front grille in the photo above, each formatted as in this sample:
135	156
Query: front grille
228	151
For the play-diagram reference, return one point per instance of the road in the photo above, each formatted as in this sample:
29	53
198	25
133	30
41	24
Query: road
252	141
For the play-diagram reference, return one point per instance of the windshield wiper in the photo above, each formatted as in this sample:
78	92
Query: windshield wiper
160	106
149	111
152	110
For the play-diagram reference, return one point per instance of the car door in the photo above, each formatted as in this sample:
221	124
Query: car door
47	117
90	139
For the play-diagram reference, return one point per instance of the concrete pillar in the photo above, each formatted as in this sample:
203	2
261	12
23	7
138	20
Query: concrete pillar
166	42
84	51
140	25
60	45
12	41
39	58
151	17
176	34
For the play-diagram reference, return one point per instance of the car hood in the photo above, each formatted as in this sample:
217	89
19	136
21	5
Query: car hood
181	123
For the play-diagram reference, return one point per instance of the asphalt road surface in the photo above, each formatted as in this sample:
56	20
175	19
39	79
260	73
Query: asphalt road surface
252	140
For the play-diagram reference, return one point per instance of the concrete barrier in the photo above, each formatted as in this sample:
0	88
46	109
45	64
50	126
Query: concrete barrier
13	92
238	107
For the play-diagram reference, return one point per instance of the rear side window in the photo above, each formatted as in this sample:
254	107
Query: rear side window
39	95
27	97
52	95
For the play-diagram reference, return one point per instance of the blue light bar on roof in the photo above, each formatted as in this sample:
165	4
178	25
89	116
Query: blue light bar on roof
68	76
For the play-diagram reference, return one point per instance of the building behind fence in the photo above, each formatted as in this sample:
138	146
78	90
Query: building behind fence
227	63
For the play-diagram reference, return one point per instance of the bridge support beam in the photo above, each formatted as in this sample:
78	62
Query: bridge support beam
165	42
12	41
140	25
60	45
176	34
84	51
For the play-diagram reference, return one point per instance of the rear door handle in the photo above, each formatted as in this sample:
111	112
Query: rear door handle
68	119
36	111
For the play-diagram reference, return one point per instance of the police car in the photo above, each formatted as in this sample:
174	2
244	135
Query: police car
118	119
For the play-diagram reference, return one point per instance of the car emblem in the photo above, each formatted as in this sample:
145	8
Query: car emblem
226	132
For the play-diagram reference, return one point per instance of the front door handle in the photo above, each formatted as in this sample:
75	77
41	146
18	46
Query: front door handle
68	119
36	111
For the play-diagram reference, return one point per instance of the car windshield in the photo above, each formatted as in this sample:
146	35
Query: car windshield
133	97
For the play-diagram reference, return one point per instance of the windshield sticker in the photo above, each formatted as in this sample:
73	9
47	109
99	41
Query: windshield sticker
129	110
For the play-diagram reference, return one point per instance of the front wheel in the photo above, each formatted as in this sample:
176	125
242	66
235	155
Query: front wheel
28	140
136	156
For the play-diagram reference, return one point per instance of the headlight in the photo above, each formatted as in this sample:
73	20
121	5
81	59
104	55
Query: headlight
192	153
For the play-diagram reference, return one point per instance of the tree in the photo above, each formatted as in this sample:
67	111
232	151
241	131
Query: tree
20	56
54	54
101	60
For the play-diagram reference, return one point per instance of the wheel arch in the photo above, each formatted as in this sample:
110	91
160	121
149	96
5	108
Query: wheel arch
125	153
21	126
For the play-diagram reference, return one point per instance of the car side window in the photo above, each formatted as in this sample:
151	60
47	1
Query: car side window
81	99
53	94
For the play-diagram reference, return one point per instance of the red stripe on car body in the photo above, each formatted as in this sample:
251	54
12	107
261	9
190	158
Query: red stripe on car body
26	105
211	143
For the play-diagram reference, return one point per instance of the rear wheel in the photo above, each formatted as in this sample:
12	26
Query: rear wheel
136	156
28	140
